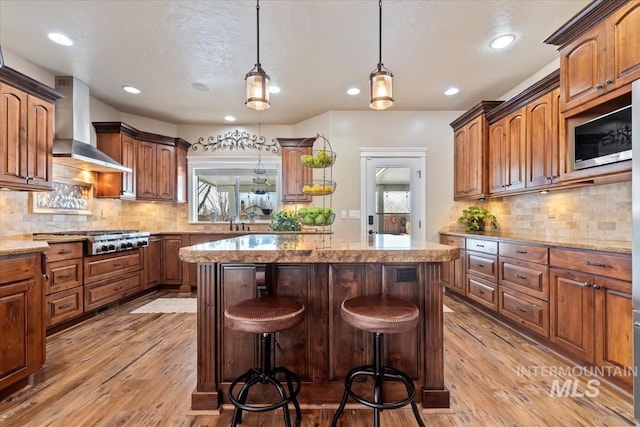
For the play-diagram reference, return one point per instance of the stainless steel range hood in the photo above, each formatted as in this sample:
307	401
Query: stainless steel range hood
71	144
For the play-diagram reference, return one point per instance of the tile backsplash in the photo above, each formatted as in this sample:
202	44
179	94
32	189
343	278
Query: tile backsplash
597	212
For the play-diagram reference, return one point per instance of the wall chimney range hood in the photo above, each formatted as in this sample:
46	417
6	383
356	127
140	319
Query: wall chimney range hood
71	145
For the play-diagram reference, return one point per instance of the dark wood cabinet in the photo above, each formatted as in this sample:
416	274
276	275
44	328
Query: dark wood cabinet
507	153
22	339
453	274
543	141
471	139
152	256
64	285
26	140
294	174
158	164
172	270
600	63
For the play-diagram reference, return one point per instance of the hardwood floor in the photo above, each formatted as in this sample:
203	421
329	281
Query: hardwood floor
122	369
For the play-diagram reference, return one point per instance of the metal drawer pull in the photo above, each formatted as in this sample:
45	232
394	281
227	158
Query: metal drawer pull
118	264
65	306
596	286
118	288
522	310
64	276
479	245
480	265
480	291
519	276
518	251
64	252
595	264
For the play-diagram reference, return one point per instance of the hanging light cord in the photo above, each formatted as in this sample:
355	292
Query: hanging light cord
258	31
380	36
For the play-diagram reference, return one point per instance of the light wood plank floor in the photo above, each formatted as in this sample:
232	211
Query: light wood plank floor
122	369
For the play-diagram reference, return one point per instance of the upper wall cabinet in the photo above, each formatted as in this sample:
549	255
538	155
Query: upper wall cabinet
471	136
26	132
599	54
507	139
158	164
294	174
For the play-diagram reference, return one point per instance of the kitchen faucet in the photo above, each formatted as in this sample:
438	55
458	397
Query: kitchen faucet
230	223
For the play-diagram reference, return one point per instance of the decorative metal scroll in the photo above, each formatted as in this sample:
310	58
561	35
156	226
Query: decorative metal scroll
235	140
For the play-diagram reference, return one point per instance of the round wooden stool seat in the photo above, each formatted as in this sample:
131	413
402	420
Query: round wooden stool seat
264	315
381	314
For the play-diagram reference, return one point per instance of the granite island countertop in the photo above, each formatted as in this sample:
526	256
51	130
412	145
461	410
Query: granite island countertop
18	245
615	246
286	248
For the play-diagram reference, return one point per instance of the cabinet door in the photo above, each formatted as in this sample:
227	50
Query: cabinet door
542	146
460	164
13	136
128	151
166	172
572	312
497	148
152	259
171	264
39	142
623	46
614	325
295	175
515	151
582	69
146	170
475	157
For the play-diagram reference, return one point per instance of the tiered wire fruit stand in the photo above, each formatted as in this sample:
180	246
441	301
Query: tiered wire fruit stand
322	185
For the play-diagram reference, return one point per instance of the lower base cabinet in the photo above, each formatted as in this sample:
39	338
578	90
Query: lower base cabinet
64	305
525	310
22	335
101	293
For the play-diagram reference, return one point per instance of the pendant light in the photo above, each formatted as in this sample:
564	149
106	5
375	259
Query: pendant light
381	79
256	80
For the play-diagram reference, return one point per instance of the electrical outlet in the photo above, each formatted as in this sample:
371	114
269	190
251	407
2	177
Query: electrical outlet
551	212
354	214
102	215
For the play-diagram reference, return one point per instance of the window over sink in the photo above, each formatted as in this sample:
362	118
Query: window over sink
227	188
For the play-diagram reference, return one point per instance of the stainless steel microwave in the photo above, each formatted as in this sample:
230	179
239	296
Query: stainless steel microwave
604	139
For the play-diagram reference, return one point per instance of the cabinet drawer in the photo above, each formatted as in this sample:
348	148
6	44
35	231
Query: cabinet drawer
529	253
527	311
65	305
600	263
482	291
105	266
63	275
60	251
98	294
486	246
527	277
456	241
484	265
15	268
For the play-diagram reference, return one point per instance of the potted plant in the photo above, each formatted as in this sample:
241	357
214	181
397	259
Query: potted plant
286	221
476	218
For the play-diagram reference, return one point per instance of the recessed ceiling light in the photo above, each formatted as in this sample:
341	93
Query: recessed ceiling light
353	91
60	39
502	41
230	118
274	89
130	89
451	91
200	87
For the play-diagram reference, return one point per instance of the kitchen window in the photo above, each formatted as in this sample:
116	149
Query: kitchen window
232	188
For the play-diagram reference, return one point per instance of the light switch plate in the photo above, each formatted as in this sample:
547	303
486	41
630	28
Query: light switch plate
343	214
354	214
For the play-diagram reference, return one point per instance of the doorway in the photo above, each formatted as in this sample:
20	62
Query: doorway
393	192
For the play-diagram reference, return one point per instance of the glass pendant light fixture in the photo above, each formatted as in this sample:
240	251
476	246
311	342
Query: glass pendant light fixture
381	79
257	80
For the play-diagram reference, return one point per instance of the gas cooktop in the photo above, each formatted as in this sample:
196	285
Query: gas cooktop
106	241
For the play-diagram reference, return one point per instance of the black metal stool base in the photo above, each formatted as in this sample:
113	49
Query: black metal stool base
266	375
380	374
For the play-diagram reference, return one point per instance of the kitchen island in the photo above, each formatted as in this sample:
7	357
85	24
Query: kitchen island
319	271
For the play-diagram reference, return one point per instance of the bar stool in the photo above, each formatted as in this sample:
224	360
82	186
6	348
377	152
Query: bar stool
265	316
380	315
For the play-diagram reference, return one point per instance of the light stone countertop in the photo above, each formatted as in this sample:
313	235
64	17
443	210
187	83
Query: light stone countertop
283	248
15	246
614	246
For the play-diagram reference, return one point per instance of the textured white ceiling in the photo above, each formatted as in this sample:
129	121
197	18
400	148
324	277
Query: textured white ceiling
313	49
